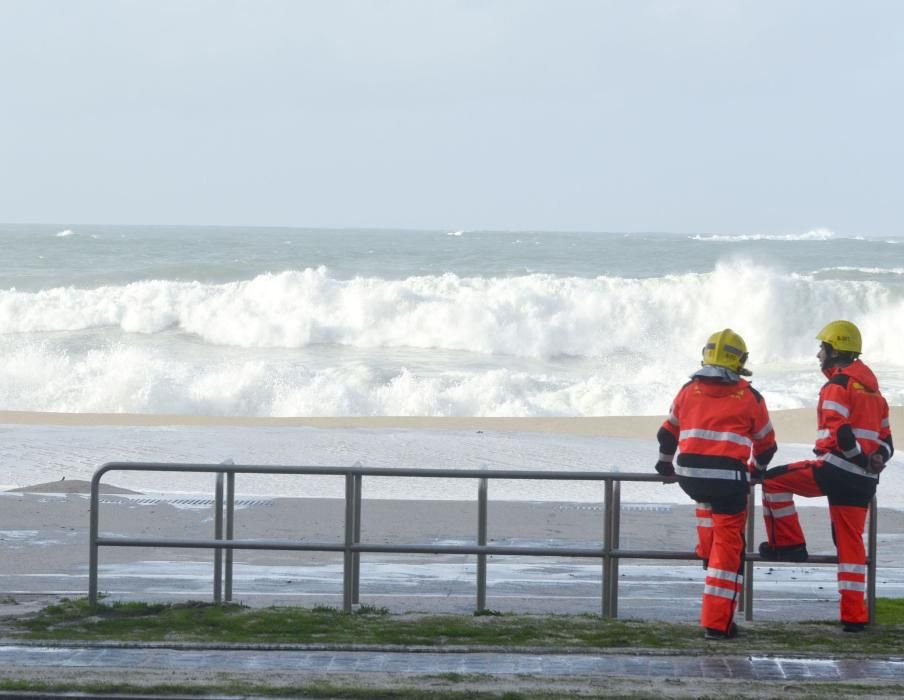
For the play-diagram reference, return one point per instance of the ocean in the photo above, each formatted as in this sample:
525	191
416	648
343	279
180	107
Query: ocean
306	322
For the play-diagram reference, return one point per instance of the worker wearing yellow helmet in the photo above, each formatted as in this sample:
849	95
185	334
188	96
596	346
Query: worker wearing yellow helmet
726	349
853	443
719	425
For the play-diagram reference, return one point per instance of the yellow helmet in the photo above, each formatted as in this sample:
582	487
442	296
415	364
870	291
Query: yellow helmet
726	349
843	336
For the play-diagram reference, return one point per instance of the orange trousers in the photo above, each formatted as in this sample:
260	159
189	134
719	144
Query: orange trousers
783	529
721	541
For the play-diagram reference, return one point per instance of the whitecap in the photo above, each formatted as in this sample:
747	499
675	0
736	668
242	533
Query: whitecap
862	270
819	234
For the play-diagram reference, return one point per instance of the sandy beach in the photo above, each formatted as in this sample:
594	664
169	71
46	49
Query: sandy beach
793	425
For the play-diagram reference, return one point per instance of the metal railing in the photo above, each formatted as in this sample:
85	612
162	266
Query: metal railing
610	553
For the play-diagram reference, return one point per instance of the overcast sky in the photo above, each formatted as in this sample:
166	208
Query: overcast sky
641	115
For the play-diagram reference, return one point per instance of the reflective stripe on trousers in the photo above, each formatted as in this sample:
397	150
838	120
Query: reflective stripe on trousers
724	577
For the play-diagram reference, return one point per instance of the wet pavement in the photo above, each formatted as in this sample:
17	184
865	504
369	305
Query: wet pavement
414	663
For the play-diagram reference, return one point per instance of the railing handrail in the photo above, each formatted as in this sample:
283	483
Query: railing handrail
427	472
609	551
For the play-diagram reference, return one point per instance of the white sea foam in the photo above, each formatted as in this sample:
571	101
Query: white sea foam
455	233
43	453
537	315
306	343
862	270
819	234
132	380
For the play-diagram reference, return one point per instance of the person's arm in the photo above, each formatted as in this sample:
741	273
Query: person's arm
668	441
764	447
886	449
886	446
834	416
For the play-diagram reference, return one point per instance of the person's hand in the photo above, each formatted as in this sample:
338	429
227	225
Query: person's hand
667	470
757	473
876	463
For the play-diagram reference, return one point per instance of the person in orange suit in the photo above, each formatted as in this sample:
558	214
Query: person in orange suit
719	426
853	443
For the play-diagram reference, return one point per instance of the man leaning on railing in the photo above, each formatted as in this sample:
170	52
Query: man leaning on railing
716	422
852	446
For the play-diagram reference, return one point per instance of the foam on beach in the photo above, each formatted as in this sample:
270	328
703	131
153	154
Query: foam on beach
45	453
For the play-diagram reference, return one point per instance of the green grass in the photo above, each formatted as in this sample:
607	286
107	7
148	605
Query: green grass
315	690
231	623
890	611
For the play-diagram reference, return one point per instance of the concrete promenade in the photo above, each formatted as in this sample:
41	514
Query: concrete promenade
238	659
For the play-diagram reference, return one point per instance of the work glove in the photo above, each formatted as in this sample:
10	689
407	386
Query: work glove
862	460
665	468
755	470
876	463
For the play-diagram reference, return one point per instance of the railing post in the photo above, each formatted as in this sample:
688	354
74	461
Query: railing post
607	548
482	540
615	528
872	552
347	559
746	602
356	556
94	517
230	530
218	535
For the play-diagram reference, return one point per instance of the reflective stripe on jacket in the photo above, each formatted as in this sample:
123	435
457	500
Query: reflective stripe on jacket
852	418
718	426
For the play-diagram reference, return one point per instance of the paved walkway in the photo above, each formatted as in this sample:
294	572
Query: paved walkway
644	665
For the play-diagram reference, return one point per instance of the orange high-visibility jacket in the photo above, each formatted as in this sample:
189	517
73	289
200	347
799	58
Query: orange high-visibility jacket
852	419
717	426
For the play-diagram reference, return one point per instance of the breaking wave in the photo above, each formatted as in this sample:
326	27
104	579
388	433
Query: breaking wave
537	316
819	234
307	343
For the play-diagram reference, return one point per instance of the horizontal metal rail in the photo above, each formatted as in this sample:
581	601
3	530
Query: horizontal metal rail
351	547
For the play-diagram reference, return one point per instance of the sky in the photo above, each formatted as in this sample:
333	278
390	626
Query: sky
733	116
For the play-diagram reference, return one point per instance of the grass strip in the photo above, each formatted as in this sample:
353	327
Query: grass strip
232	623
235	688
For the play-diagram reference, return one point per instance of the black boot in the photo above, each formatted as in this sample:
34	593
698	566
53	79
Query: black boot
795	553
853	626
712	634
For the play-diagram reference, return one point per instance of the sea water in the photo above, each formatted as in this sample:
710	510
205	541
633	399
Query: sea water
306	322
